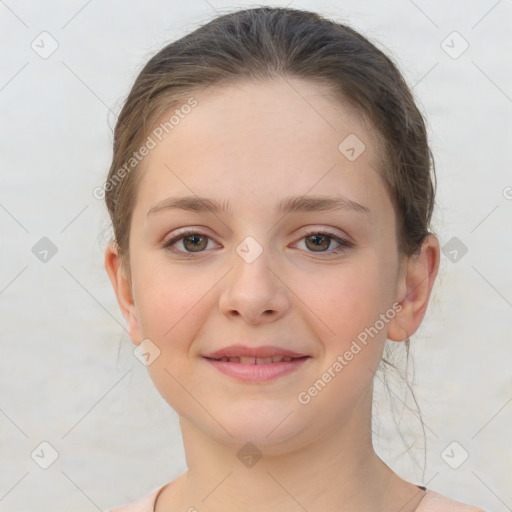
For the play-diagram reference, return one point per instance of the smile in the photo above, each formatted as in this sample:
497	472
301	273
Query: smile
257	369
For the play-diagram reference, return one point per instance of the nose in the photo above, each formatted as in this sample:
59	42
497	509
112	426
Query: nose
253	291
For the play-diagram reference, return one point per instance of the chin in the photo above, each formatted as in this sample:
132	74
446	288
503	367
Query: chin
269	426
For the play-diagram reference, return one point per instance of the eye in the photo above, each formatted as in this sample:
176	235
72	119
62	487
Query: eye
192	241
320	241
196	242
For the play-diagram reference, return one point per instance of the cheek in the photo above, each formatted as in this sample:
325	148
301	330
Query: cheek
347	300
173	304
172	310
169	305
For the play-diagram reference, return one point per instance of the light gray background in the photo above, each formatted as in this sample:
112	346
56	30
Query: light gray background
67	372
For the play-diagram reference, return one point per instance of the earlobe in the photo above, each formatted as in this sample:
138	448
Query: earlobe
413	290
122	289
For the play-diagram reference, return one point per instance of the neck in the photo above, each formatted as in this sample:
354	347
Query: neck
337	471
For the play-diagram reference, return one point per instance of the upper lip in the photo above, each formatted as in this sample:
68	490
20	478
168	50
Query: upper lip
244	351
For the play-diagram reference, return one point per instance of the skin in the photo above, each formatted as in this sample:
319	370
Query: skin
253	144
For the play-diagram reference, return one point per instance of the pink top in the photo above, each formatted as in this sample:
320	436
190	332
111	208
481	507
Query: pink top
431	502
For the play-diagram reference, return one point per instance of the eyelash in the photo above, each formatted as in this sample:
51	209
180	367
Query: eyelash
344	244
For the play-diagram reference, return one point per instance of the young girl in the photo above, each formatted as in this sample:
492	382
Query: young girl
271	192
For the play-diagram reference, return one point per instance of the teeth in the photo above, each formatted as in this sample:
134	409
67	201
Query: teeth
255	360
267	360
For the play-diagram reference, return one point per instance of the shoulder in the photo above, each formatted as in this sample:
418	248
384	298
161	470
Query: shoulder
145	504
435	502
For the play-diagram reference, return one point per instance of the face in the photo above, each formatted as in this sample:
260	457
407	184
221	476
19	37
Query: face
309	279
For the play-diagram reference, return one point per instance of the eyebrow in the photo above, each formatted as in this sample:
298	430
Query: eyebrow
287	205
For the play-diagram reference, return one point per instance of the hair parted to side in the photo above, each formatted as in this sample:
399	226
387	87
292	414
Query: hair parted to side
269	42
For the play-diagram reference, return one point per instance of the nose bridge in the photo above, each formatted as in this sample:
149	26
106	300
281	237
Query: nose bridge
252	288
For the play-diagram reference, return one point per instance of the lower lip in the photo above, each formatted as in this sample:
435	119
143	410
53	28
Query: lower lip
258	372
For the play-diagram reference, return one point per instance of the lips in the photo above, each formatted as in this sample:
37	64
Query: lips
266	354
256	369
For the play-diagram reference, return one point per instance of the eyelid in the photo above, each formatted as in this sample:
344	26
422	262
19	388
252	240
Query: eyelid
191	230
312	230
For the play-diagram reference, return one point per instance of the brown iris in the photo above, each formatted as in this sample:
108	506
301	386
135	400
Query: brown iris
319	238
195	247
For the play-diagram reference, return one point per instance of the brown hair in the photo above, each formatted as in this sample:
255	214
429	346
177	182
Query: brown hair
269	42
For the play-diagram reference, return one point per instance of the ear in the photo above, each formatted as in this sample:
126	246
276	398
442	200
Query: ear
123	290
414	286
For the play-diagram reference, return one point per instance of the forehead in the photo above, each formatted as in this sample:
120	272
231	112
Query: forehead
278	136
